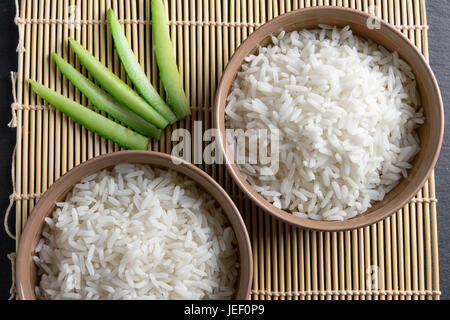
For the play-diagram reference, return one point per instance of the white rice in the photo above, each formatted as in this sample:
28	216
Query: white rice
137	233
347	111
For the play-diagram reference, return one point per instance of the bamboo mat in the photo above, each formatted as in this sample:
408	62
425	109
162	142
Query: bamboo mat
394	259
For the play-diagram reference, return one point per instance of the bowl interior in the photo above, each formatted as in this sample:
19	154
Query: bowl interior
430	132
26	270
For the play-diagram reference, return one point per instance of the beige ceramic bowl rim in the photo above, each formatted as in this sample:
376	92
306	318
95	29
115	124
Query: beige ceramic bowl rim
200	177
327	226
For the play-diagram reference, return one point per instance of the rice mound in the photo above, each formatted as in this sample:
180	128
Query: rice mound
134	232
347	111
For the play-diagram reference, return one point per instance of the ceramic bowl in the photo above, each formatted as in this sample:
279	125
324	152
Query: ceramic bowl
430	133
26	270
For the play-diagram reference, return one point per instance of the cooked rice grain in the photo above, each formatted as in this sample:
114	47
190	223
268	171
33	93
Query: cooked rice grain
347	111
140	233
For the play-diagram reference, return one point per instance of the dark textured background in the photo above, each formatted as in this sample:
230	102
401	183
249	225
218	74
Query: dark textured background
438	12
439	46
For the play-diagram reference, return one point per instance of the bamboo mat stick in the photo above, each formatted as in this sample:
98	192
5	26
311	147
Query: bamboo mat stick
366	271
379	238
355	259
79	98
307	261
32	115
388	260
410	21
375	268
414	262
25	124
268	253
321	266
53	114
91	137
274	252
150	60
431	193
225	30
219	53
70	14
85	141
99	47
401	249
267	256
201	63
339	264
220	66
314	264
418	21
276	9
295	261
348	263
74	128
110	58
361	256
94	138
46	113
429	266
395	250
142	41
327	264
436	294
407	247
421	262
281	256
288	260
38	115
302	263
258	257
64	90
428	237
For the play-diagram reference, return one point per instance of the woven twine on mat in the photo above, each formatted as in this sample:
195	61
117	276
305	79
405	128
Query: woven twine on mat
188	23
11	256
18	22
403	293
17	106
13	124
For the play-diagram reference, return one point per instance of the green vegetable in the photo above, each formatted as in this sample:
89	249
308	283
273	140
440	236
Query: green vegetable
91	120
134	70
103	101
168	70
117	88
